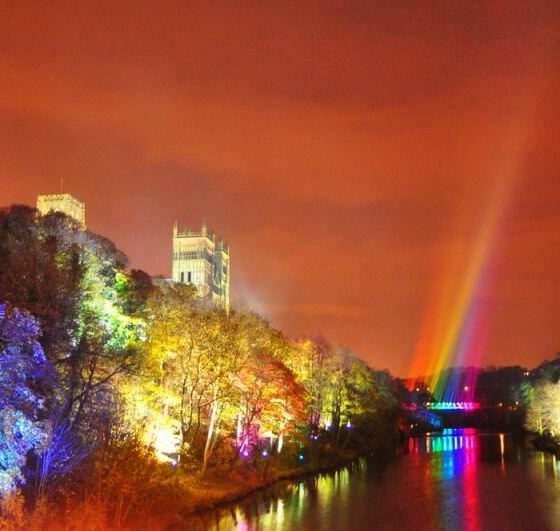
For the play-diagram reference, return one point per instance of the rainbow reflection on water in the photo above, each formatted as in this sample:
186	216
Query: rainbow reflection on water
461	441
454	454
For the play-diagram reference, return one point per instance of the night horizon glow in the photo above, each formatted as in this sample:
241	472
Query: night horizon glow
400	168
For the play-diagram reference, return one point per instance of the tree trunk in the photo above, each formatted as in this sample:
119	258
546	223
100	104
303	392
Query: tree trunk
209	436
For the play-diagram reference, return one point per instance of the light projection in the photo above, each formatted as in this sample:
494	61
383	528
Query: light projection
454	332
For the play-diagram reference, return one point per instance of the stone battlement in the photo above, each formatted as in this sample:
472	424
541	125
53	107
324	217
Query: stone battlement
65	203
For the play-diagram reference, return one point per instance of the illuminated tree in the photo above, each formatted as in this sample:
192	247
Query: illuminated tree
25	376
151	394
309	360
92	314
193	352
217	350
272	402
107	339
41	271
543	410
72	282
339	407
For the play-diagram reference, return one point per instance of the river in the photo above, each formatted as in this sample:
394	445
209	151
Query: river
455	480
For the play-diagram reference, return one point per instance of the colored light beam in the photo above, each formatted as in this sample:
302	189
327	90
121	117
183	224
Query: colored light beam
453	330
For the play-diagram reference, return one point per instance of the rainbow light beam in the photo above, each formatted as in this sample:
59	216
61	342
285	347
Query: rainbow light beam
453	330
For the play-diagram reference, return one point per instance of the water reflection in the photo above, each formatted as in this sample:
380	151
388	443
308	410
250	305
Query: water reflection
453	454
452	480
448	440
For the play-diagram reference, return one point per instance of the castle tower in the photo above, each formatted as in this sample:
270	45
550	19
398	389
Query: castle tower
201	259
64	203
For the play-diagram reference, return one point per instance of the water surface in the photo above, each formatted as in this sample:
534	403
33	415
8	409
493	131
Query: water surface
456	480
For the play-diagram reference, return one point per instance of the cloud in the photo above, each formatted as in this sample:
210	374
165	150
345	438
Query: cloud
344	150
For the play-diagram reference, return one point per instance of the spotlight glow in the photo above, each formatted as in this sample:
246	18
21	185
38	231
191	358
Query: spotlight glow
453	332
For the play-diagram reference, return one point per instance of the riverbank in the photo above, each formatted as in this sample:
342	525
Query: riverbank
188	496
546	443
172	499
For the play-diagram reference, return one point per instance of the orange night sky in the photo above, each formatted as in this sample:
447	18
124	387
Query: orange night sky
355	157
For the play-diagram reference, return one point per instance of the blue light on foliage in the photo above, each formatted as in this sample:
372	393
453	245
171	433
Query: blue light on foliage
22	361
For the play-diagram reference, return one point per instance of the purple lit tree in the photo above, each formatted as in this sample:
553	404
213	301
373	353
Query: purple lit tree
25	375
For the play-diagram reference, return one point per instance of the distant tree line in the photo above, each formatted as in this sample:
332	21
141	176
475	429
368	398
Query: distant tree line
511	398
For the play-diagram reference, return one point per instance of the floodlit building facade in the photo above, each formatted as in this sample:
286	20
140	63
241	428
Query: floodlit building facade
65	203
202	259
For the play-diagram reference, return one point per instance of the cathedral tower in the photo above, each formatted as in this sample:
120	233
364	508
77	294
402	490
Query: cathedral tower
202	259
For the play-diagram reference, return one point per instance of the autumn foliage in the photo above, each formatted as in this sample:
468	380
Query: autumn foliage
115	387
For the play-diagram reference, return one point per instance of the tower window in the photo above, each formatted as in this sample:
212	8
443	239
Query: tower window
182	277
189	277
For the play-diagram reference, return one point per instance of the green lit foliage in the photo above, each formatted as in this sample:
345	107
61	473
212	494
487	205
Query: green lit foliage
102	308
346	399
543	410
134	290
72	282
91	312
309	361
105	339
